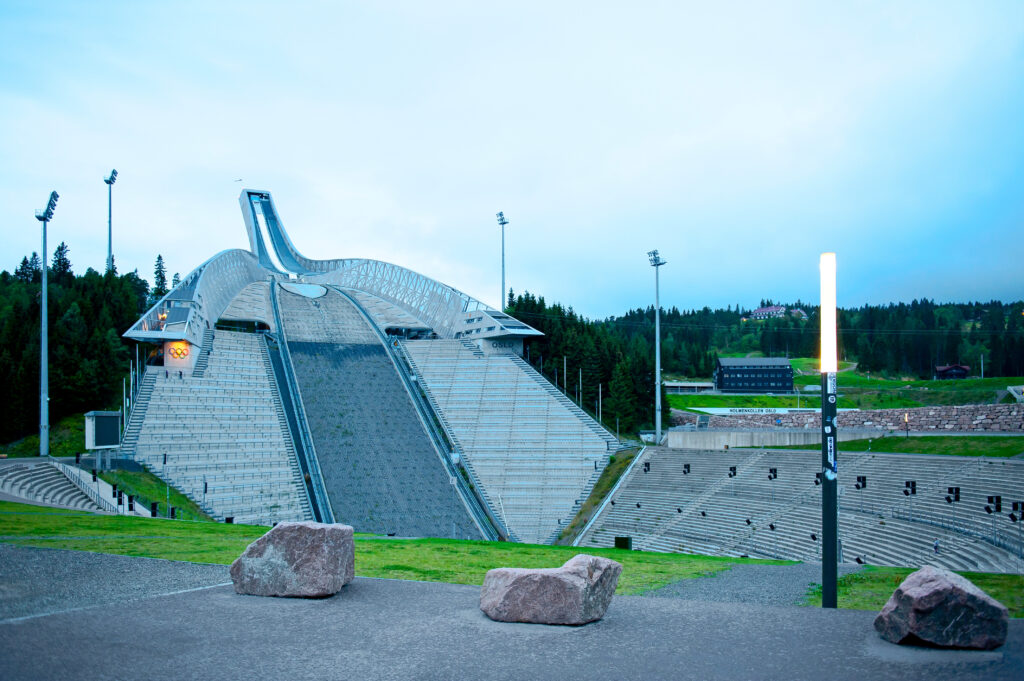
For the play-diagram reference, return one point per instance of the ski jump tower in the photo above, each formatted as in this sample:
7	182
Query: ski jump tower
351	390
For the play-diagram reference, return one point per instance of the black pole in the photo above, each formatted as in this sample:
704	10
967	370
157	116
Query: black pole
829	498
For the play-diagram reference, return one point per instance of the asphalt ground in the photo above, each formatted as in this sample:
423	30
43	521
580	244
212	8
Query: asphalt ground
158	620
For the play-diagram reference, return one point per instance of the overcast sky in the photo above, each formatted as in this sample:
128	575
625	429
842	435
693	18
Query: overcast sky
740	139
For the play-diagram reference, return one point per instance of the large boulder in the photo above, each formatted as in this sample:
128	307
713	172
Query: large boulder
937	607
304	560
576	593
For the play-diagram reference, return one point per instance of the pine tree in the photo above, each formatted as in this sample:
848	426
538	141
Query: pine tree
61	266
175	280
24	272
159	280
35	268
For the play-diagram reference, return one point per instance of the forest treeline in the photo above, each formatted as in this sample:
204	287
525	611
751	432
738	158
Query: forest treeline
88	357
88	314
616	359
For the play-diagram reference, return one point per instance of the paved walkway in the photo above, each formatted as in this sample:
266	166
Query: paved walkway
754	584
383	629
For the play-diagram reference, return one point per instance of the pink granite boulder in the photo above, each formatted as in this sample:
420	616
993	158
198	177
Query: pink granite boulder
576	593
937	607
302	560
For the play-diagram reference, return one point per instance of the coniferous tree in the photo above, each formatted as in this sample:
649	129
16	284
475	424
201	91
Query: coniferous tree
24	272
159	280
61	265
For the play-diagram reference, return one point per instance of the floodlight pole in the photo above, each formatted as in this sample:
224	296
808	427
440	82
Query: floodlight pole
829	450
109	181
657	262
502	222
44	216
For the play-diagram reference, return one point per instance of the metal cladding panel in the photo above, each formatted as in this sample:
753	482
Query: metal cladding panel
178	316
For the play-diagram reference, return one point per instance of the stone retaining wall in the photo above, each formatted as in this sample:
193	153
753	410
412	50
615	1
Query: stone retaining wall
969	418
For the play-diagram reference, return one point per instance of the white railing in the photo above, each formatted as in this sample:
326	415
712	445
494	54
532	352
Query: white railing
608	498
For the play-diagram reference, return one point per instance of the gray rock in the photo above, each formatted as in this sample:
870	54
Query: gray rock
305	560
936	607
576	593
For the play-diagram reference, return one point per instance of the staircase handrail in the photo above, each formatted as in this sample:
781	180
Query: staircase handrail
610	495
309	450
90	492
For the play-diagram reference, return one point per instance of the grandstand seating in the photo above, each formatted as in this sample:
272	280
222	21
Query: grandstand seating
534	454
380	467
224	428
661	508
43	484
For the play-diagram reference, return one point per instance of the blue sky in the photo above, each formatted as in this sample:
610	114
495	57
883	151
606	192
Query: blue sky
740	139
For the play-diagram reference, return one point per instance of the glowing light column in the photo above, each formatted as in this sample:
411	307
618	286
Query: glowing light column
829	449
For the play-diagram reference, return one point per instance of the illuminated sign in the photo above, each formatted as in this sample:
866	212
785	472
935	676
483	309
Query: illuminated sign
178	351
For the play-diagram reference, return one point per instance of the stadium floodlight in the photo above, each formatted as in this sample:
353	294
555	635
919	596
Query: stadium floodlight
829	464
44	216
502	222
109	181
657	262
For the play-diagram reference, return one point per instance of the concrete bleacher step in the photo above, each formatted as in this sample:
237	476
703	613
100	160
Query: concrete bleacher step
222	422
508	420
45	484
878	535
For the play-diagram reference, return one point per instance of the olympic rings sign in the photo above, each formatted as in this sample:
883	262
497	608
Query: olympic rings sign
178	351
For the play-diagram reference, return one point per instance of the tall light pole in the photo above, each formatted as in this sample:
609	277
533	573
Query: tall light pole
829	453
110	180
44	216
657	262
502	221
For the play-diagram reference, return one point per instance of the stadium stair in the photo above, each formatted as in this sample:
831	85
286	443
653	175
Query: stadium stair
219	439
534	455
203	360
661	508
44	484
138	414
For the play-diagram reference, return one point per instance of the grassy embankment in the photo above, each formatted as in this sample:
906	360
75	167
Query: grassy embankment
147	488
871	587
611	474
432	560
967	445
862	391
67	438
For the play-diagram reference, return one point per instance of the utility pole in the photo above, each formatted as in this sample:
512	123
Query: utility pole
110	180
44	216
657	262
502	222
